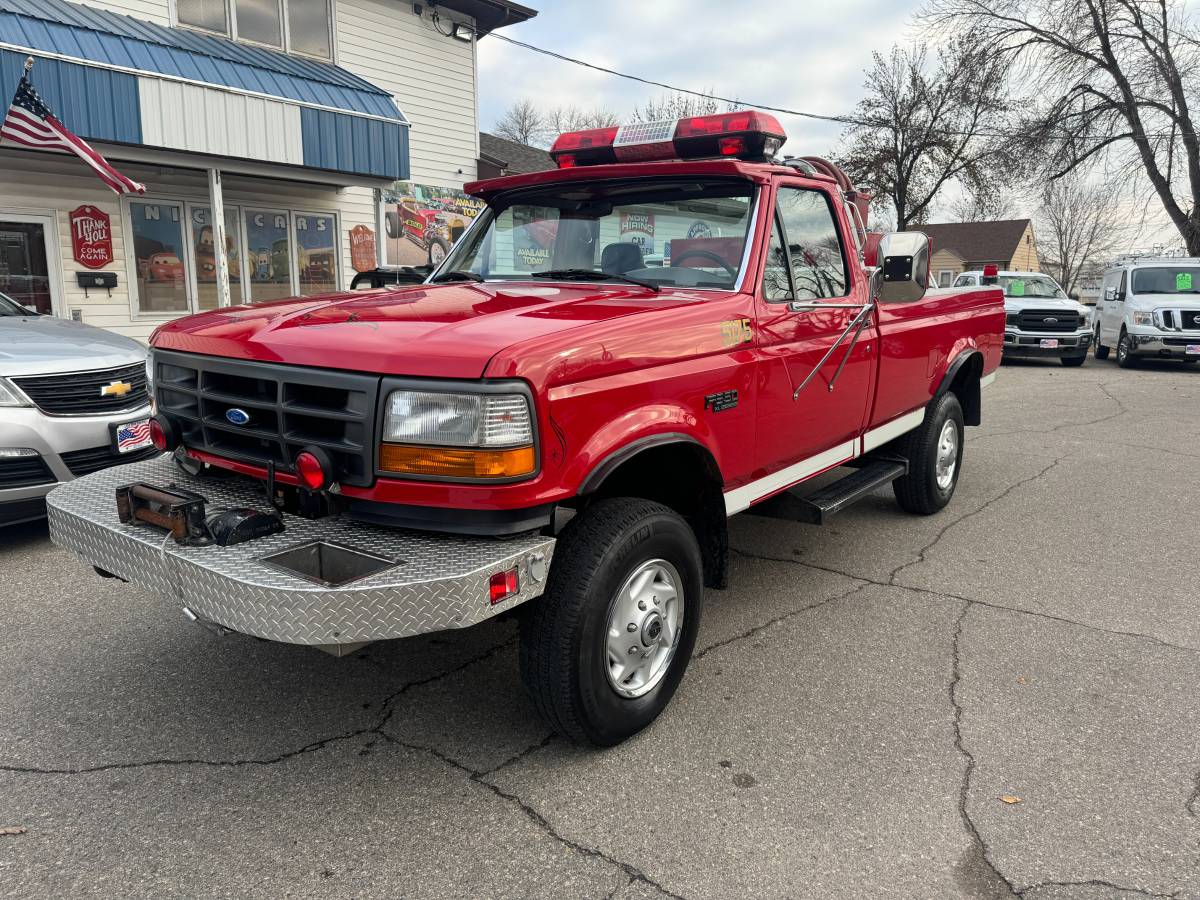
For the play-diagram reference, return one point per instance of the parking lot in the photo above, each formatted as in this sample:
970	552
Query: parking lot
998	700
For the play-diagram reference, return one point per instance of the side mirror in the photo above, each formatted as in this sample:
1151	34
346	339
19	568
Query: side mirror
903	273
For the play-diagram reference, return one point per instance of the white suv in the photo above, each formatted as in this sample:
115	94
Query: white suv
1150	308
1040	321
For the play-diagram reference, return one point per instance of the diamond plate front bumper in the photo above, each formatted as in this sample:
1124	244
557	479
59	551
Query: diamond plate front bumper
440	582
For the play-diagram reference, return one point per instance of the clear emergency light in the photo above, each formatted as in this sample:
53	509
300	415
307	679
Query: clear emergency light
737	135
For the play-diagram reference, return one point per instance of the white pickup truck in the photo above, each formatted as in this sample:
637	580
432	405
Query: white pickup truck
1040	320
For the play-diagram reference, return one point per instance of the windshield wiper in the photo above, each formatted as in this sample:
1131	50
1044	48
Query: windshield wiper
592	275
459	275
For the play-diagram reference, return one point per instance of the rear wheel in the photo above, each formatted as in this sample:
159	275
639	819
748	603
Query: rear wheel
604	650
1101	350
934	452
1126	357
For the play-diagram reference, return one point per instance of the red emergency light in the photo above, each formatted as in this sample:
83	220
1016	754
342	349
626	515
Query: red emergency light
745	134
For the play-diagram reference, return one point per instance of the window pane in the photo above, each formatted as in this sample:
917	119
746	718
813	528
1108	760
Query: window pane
308	26
818	268
206	263
158	249
775	279
258	20
270	260
208	14
316	252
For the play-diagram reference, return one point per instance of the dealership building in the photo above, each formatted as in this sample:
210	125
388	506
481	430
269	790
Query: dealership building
280	142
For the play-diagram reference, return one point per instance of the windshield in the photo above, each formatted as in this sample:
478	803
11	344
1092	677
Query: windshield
666	233
1038	286
10	307
1167	280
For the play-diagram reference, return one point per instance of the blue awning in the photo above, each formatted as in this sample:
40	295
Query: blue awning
87	48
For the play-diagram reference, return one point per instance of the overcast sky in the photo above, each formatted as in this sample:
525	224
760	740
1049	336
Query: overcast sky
810	57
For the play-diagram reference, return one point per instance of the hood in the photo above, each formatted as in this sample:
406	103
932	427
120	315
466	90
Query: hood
1017	304
433	331
1164	301
43	345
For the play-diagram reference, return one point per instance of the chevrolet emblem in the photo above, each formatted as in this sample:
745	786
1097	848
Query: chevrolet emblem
116	389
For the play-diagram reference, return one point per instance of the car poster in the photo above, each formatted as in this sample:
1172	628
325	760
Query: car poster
422	222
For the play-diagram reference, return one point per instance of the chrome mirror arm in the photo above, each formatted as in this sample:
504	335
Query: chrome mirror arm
856	325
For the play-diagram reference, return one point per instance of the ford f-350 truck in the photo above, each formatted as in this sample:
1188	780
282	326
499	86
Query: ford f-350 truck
550	423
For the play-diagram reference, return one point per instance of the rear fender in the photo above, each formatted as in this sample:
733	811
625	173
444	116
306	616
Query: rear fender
961	374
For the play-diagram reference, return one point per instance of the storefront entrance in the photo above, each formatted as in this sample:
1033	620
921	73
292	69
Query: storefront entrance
24	265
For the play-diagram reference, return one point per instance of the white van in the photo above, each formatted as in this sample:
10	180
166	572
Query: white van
1149	308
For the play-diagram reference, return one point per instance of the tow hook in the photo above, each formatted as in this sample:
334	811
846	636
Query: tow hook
218	630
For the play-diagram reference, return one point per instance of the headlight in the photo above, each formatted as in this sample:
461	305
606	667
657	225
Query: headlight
9	395
150	371
1143	318
458	435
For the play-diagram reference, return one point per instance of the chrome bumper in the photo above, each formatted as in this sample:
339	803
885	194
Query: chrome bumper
1030	342
1173	344
438	581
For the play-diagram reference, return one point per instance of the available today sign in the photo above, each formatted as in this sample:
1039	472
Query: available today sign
91	237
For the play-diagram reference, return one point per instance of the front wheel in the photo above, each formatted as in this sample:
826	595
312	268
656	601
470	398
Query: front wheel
1101	350
934	452
1126	358
1073	361
604	649
438	248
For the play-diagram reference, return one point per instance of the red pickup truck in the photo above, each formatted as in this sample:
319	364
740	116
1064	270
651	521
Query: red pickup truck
555	420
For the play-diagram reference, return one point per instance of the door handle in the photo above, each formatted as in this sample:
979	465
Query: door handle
809	305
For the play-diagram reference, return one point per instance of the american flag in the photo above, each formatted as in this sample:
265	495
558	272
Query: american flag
133	436
30	123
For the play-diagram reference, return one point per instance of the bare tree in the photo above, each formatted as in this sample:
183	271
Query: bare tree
1115	81
522	122
991	206
1078	225
576	118
676	106
922	126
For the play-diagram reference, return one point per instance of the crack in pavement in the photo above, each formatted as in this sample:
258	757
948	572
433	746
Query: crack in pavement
972	600
965	786
1190	804
1096	882
480	778
757	629
1067	426
312	747
921	555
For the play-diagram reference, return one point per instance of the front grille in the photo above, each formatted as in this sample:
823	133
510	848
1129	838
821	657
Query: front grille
79	393
286	408
1180	342
24	471
1191	319
85	462
1036	320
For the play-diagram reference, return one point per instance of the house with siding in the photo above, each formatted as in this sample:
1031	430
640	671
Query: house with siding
267	134
964	246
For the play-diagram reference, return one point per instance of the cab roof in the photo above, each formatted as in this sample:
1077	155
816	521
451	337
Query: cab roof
759	172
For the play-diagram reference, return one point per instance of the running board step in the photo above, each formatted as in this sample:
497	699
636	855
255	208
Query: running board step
817	507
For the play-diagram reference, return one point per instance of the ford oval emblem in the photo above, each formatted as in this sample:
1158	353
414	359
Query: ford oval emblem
237	416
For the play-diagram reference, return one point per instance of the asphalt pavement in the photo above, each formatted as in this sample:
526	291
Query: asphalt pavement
998	700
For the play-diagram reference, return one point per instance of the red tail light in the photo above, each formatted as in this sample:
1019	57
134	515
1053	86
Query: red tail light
503	585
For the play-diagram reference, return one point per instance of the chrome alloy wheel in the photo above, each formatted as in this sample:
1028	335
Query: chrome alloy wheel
946	461
645	621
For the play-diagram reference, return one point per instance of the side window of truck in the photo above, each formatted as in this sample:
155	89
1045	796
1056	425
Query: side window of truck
777	287
813	244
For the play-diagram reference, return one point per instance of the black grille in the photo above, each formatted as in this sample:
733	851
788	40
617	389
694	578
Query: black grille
85	462
78	393
1191	319
23	471
1048	320
286	408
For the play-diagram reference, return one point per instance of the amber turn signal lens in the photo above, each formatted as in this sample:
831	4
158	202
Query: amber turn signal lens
404	459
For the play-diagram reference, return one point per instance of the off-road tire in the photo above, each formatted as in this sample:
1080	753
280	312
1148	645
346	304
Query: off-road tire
1126	356
1073	362
918	491
563	657
1100	350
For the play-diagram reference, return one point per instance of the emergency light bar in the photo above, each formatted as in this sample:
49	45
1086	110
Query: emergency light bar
737	135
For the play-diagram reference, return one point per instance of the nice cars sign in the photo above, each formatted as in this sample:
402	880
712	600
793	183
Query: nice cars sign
91	237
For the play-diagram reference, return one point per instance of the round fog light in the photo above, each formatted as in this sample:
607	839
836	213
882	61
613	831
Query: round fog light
163	434
313	468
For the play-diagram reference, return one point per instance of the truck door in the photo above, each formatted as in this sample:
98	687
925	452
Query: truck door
808	263
1110	308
